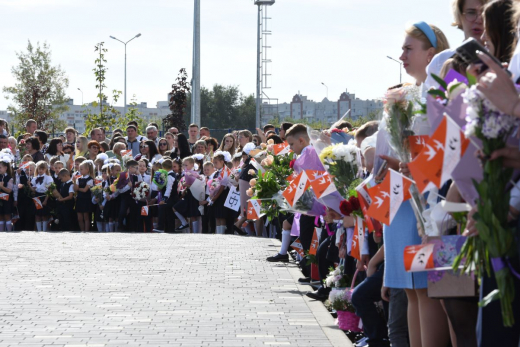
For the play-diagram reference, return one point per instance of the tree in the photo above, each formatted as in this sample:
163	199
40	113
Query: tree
225	107
39	91
178	102
108	115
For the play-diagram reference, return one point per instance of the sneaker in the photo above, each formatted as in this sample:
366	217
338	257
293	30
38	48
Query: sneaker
182	227
278	257
158	231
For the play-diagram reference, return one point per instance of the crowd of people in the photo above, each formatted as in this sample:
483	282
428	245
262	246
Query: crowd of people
199	184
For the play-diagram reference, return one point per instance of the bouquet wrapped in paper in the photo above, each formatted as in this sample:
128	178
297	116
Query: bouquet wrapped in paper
50	190
141	191
343	162
97	192
160	178
122	180
214	187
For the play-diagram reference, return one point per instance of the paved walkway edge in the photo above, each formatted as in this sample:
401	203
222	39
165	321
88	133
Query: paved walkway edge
336	336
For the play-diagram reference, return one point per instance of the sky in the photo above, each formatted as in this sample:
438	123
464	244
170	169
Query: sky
341	43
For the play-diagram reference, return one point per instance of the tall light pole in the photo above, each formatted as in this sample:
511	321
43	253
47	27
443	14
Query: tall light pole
400	66
259	61
195	81
124	43
327	89
81	96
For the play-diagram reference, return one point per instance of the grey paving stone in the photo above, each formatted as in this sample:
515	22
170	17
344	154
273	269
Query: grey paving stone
74	289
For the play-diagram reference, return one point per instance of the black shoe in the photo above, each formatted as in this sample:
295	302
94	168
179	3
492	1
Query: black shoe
182	227
316	295
278	257
239	231
304	280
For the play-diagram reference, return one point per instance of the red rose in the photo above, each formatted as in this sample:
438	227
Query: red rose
336	130
291	163
345	207
355	203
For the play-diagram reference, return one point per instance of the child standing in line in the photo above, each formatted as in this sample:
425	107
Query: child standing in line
23	200
39	185
6	187
65	197
154	210
170	195
208	219
111	210
84	198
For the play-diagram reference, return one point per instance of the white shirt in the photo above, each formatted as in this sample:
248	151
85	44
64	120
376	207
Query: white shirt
169	185
42	187
143	177
435	67
71	188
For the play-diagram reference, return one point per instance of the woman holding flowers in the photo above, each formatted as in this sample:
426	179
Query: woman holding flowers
427	323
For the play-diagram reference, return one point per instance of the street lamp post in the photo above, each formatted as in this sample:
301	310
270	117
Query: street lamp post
124	43
327	89
81	96
400	66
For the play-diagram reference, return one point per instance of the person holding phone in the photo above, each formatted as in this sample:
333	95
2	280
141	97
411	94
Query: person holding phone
467	16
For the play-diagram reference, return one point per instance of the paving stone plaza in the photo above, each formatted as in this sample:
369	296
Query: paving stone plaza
116	289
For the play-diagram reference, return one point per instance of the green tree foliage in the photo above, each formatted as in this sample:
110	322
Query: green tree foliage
39	90
179	102
108	116
224	107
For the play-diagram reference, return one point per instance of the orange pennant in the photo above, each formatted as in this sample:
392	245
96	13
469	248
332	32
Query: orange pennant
125	152
322	184
296	188
418	257
253	209
38	203
388	196
4	196
441	154
417	143
297	246
282	148
314	244
358	238
144	211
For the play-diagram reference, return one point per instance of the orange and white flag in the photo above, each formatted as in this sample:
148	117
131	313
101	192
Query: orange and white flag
417	143
292	176
225	172
145	210
364	202
418	257
125	152
253	209
4	196
321	182
296	188
358	239
297	246
314	244
24	165
441	154
38	203
388	196
282	148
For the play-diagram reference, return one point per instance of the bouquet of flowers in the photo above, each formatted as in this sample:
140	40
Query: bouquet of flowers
213	186
495	242
343	162
336	278
398	119
160	178
190	176
341	300
97	191
50	190
126	158
122	180
181	187
141	191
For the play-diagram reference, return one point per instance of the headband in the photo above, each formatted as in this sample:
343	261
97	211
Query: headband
428	31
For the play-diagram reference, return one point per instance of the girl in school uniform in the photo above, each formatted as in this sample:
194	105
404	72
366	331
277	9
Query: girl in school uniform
39	185
82	186
6	187
111	210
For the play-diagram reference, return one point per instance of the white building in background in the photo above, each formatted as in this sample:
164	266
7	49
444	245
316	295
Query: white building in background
75	115
326	110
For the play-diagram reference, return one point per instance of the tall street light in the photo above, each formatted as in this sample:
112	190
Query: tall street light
327	89
81	96
124	43
400	66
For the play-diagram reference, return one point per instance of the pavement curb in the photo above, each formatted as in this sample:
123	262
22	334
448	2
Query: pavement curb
336	336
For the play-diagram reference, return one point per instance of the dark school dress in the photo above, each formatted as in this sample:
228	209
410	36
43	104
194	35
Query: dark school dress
26	207
66	208
84	199
6	206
